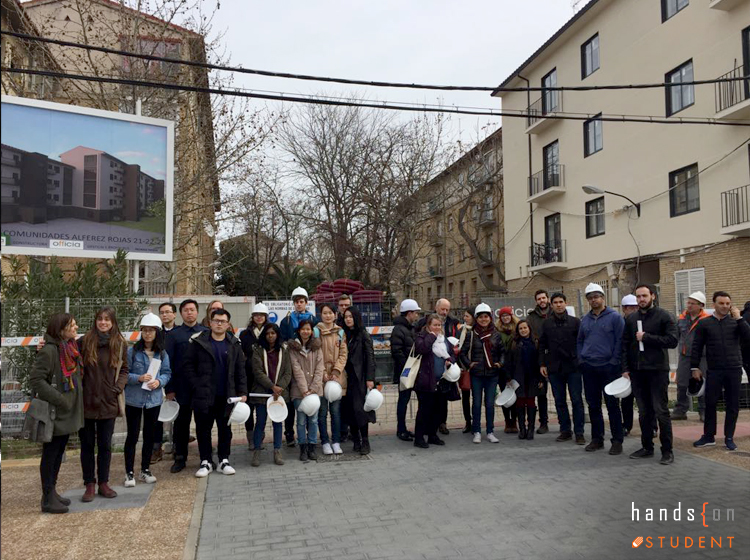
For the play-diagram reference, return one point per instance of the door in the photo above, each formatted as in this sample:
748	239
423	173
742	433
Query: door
746	59
552	238
549	97
551	156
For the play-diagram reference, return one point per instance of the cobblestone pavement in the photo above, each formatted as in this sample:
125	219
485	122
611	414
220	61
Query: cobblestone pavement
515	499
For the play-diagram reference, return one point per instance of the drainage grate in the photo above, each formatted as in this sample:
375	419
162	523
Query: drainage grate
739	453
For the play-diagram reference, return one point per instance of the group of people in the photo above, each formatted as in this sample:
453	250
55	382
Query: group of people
576	357
91	381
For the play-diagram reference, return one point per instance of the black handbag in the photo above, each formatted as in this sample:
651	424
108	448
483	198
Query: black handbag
39	424
450	390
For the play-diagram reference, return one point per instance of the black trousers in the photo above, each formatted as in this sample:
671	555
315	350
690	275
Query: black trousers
716	380
96	433
250	424
427	420
441	407
289	424
204	423
181	431
542	404
510	414
133	418
49	467
650	388
466	404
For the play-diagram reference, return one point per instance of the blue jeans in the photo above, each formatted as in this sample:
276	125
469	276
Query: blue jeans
594	380
261	413
488	385
335	408
307	426
403	403
574	382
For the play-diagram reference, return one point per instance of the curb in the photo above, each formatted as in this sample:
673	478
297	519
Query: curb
191	542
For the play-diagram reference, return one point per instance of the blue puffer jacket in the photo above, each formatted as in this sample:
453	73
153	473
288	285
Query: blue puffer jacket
600	338
138	363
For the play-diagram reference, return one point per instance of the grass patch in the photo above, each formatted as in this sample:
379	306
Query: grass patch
150	223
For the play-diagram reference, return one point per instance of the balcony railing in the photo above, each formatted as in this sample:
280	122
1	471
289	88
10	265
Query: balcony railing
486	217
734	206
548	253
481	175
436	271
551	176
549	102
729	94
436	240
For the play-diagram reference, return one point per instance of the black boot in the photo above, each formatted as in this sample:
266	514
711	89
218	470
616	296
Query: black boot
303	453
311	452
50	503
522	424
531	415
357	444
63	501
365	449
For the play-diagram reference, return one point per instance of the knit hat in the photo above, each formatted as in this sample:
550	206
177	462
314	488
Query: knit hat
506	310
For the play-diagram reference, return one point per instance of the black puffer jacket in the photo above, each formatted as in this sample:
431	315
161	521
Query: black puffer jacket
525	372
660	330
472	352
557	343
200	370
248	340
723	340
402	339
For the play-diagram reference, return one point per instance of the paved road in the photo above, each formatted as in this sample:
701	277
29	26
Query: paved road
515	499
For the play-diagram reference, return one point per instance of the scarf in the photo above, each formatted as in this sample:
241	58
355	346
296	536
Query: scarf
439	349
485	335
69	358
295	318
103	338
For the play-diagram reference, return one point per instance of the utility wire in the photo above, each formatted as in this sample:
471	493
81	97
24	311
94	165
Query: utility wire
367	105
210	66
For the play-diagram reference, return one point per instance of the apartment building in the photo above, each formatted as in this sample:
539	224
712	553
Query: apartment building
468	196
621	202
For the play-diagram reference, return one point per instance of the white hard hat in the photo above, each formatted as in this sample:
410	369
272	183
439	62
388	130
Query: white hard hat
409	305
277	410
592	287
169	411
698	296
506	398
310	404
619	388
299	291
629	300
332	391
482	308
696	387
240	413
452	373
260	308
151	320
374	400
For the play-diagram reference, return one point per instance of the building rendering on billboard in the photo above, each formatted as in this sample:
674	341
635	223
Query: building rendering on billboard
85	182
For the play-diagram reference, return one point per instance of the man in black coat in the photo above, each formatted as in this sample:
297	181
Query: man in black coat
535	318
648	334
723	335
215	368
557	358
402	340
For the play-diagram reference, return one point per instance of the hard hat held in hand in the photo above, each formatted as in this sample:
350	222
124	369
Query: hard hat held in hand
333	391
696	387
277	409
374	400
619	388
169	411
240	413
151	320
452	373
506	398
310	405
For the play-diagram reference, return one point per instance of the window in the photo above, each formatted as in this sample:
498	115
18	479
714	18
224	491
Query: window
679	97
684	193
592	136
590	56
595	217
462	253
552	230
549	97
551	156
450	223
671	7
449	260
56	198
111	177
57	169
687	282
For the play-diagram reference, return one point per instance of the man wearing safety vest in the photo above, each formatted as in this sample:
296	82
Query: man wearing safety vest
686	328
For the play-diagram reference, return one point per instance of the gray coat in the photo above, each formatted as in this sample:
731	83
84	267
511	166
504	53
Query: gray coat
686	330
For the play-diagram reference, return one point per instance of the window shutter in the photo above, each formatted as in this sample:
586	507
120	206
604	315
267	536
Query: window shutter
697	280
682	289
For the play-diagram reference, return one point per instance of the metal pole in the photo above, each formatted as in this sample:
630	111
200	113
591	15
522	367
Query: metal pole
67	304
138	106
136	275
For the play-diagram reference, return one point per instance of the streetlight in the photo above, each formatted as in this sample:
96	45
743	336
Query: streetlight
590	189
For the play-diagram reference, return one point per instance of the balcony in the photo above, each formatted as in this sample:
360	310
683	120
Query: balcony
539	112
732	99
436	240
11	181
486	218
437	272
724	5
548	257
735	212
547	183
481	175
434	206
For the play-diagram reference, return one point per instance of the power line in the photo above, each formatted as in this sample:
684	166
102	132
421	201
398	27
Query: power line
366	105
371	83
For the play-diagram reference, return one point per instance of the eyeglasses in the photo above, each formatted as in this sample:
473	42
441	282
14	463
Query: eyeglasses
219	322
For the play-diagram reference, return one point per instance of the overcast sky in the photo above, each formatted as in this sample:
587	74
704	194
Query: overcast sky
417	41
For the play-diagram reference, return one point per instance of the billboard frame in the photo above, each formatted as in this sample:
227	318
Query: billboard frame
166	256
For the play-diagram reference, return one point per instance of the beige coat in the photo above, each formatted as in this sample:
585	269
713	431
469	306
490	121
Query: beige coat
307	368
335	352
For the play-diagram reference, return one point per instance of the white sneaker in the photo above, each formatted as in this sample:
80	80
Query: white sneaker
337	449
226	468
492	439
327	449
204	470
147	477
477	438
129	480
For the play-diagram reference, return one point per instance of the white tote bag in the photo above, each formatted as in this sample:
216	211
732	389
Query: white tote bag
411	368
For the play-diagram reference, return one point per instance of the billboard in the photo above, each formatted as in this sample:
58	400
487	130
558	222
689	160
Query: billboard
83	182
